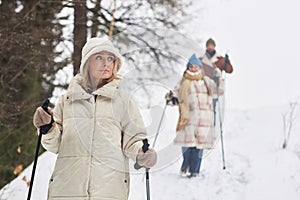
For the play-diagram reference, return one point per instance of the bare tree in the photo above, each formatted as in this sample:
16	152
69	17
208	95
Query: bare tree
145	31
147	34
79	33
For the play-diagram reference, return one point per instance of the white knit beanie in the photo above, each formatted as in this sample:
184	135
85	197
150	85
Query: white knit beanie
95	45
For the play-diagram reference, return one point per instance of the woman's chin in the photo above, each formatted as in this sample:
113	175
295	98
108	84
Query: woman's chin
103	77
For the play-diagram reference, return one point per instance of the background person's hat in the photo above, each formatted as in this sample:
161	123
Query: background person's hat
194	61
210	41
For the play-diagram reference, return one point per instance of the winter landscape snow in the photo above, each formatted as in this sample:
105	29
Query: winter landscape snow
256	165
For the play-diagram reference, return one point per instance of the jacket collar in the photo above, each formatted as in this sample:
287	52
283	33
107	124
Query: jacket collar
210	54
206	59
77	92
108	90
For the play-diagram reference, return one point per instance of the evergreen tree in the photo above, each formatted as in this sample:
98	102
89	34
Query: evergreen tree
29	35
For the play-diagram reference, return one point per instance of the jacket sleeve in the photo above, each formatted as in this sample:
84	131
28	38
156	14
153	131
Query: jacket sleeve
52	139
133	129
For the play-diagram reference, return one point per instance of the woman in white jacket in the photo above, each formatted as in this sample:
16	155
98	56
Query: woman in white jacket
194	130
97	128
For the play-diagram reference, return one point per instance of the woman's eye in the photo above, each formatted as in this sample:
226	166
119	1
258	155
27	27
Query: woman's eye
99	58
110	58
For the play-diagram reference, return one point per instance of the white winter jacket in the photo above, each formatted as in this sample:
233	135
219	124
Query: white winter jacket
94	135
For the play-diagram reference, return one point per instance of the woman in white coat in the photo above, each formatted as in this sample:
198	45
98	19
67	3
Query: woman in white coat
195	123
97	127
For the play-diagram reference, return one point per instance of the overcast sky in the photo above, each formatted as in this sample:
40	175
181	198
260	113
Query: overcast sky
262	38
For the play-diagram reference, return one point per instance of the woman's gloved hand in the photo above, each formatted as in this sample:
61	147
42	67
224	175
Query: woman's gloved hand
147	159
41	117
171	98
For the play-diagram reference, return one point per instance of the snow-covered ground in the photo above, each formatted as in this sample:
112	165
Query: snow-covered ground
256	165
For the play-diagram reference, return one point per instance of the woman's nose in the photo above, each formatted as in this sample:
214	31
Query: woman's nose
104	62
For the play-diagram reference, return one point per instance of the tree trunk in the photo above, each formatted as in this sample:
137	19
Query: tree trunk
80	32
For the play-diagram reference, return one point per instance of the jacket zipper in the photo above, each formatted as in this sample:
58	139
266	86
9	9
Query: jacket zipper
92	141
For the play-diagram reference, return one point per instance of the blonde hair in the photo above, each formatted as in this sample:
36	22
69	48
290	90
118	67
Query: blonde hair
86	79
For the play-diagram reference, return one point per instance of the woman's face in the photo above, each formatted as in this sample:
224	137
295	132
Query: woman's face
101	65
194	68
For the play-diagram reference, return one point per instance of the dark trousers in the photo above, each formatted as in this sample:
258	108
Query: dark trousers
200	160
191	159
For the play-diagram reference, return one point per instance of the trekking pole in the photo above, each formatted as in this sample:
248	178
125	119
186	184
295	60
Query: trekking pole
174	101
43	130
221	134
145	148
160	122
221	129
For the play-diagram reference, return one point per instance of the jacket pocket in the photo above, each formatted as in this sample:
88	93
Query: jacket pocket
70	177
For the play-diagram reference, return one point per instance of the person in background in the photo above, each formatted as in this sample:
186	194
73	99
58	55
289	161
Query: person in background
194	97
97	127
212	71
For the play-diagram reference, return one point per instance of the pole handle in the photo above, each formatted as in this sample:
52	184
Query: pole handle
45	106
145	145
45	128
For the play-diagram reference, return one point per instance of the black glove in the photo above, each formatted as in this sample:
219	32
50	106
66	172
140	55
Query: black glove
174	100
227	58
170	98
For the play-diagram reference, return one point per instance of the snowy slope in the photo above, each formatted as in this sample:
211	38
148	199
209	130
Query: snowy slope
256	166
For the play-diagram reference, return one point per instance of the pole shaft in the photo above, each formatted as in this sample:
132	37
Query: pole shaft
159	125
43	130
147	184
147	170
221	134
34	165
